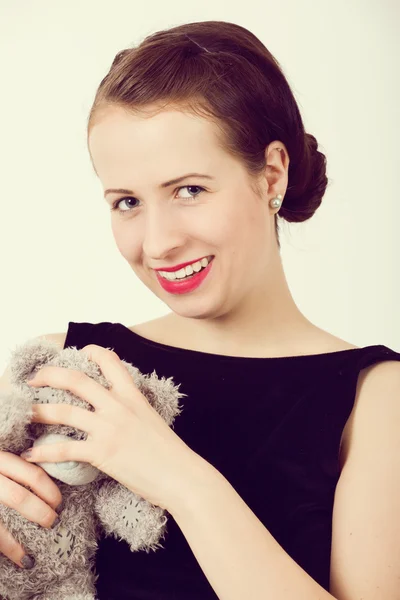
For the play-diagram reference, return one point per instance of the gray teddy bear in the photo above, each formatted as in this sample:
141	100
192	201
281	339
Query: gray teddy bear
93	503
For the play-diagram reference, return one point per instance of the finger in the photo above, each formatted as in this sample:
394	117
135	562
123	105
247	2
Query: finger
77	382
11	548
27	504
115	372
79	451
64	414
34	477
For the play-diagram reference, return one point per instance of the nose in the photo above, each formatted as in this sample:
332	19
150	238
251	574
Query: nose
162	234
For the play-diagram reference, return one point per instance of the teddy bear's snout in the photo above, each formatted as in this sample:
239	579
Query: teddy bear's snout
71	472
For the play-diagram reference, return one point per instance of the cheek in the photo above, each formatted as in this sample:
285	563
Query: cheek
126	240
239	228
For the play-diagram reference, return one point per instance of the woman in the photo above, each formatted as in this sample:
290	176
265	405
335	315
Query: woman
276	474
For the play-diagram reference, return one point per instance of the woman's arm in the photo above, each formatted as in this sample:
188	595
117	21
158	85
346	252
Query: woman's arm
239	557
243	561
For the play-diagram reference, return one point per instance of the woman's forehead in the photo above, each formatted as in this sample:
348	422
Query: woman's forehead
171	143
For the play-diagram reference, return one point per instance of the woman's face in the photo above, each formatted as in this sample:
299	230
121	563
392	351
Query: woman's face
198	217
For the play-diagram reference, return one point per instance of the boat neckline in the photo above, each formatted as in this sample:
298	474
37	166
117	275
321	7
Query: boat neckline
179	350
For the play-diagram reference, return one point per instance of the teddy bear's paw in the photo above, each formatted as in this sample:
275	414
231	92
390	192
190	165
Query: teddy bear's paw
131	513
63	543
130	517
141	524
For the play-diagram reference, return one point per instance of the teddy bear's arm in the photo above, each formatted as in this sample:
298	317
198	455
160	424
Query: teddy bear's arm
125	515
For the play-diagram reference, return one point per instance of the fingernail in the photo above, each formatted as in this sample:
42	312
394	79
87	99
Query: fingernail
26	453
59	507
56	522
28	561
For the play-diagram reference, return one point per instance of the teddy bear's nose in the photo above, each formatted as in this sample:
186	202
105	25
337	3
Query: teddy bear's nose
71	472
54	438
67	465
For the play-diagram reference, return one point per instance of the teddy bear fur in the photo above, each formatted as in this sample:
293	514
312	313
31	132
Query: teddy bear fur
94	505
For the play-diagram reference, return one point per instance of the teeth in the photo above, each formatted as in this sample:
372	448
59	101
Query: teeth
196	266
185	271
189	270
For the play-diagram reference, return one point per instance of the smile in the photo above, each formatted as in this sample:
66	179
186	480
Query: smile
187	271
187	279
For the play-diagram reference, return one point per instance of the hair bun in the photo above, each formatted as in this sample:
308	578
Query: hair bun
307	183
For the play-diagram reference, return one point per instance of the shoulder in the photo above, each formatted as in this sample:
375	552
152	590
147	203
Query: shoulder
57	338
374	396
365	526
321	341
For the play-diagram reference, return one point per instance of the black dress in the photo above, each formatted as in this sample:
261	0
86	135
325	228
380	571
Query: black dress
271	426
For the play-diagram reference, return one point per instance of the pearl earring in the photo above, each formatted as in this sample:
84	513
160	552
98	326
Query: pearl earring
276	202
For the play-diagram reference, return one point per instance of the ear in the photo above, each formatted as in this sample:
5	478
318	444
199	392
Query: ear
276	175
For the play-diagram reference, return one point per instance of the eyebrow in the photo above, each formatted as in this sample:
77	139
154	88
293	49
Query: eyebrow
162	185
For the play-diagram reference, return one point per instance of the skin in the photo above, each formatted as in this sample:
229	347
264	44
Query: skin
38	505
243	308
244	305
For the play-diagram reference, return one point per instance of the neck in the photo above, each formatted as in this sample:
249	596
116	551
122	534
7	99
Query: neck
267	320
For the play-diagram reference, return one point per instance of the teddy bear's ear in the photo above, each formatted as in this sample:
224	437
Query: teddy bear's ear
29	357
15	416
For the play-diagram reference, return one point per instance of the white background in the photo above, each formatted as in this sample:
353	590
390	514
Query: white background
59	262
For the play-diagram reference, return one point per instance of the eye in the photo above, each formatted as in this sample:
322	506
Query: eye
118	202
192	196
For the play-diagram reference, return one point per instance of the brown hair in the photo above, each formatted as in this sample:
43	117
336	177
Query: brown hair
222	71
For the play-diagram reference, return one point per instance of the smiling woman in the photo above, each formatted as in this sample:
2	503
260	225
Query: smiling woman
217	92
292	484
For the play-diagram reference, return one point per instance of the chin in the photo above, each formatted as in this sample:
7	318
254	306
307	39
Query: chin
190	309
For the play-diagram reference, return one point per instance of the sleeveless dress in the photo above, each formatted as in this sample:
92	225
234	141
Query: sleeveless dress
271	426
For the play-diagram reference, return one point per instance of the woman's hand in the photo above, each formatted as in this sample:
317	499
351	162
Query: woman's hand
127	438
37	505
